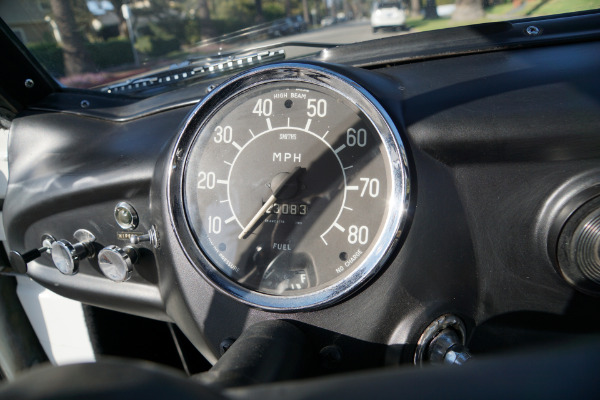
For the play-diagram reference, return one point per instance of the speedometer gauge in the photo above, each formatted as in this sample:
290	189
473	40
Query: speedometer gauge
289	187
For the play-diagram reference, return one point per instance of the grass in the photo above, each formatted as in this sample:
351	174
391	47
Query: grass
506	11
557	7
420	24
500	9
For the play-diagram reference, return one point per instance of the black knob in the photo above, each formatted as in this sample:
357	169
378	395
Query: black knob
19	261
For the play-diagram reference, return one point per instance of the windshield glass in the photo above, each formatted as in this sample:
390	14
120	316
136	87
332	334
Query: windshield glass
109	44
388	4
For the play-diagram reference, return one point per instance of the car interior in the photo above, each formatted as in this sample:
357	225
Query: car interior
415	216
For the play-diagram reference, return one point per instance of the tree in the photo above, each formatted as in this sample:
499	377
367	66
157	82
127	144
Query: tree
415	8
468	10
206	26
122	23
288	8
305	11
359	7
431	10
75	55
259	11
347	9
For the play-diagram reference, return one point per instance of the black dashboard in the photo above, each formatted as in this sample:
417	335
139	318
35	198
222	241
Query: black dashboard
499	138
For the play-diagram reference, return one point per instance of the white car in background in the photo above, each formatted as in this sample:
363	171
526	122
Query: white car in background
388	15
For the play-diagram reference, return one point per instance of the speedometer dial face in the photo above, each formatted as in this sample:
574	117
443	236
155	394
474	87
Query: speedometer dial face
293	185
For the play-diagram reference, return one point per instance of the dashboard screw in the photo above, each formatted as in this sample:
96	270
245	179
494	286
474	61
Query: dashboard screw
225	345
29	83
532	30
331	357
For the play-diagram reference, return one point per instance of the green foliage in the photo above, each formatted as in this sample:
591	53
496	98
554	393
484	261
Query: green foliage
143	44
232	15
152	46
273	11
160	38
556	6
504	10
485	2
50	55
192	31
104	55
111	53
165	29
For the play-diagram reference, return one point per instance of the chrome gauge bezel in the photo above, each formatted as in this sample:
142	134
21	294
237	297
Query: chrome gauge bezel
397	202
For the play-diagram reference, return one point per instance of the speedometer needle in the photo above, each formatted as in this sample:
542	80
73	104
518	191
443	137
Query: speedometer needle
277	188
254	221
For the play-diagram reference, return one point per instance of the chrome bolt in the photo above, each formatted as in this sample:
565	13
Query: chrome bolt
532	30
29	83
446	333
84	104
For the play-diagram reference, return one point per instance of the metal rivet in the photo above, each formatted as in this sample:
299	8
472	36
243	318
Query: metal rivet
84	104
210	88
532	30
29	83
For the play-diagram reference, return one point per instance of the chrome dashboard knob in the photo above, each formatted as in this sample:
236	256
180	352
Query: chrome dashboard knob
66	256
117	263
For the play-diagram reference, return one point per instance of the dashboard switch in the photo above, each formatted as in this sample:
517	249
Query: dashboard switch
117	263
151	236
19	261
66	256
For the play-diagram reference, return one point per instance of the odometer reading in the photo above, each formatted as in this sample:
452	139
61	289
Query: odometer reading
288	190
288	209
